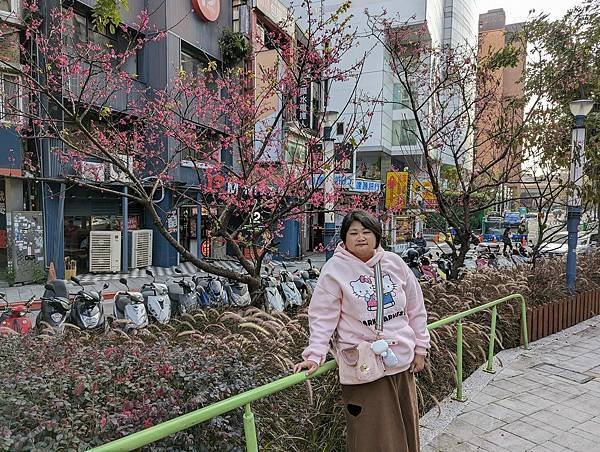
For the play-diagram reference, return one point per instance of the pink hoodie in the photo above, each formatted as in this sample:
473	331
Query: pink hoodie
344	299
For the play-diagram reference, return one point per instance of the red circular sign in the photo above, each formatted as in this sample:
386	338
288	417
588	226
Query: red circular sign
208	10
205	248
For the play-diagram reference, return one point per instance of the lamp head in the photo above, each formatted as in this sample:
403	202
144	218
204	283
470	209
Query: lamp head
581	107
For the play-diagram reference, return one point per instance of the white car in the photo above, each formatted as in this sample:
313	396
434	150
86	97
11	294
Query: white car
558	244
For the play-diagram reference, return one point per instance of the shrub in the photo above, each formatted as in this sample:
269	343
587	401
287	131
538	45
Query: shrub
81	390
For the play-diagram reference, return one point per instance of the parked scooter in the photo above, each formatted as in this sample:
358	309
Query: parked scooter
15	317
411	257
129	309
238	294
273	299
87	311
214	289
56	307
156	300
289	291
310	277
183	295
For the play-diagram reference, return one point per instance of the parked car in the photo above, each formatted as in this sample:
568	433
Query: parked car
558	245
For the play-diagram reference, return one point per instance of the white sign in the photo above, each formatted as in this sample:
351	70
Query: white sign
192	164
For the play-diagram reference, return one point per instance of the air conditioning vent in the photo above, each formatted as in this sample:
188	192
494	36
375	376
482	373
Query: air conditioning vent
140	245
105	251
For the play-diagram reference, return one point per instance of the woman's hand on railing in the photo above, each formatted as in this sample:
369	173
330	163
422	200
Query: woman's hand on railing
418	364
307	364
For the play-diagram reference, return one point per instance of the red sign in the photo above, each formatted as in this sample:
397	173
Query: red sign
3	242
205	248
208	10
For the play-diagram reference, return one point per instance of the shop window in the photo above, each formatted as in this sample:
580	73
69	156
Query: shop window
339	128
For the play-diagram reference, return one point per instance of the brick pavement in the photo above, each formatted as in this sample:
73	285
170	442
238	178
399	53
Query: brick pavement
544	399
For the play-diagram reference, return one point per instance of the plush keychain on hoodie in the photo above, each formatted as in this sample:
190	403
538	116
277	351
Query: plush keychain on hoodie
382	348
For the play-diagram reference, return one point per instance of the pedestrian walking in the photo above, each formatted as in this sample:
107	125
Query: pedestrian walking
506	240
369	306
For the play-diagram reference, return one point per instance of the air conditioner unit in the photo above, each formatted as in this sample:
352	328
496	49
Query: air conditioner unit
140	248
105	251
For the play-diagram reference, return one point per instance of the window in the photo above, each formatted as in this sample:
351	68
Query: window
6	6
403	132
401	96
84	31
10	99
339	128
191	64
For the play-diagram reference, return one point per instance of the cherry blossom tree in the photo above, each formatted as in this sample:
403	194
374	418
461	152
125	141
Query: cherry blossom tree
83	96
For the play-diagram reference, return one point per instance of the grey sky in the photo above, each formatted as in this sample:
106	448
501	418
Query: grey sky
518	10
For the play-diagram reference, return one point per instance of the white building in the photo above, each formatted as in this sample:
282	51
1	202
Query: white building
449	22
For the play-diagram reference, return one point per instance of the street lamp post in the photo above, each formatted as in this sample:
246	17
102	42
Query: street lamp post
328	142
580	109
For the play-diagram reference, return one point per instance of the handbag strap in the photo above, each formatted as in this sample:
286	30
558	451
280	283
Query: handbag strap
379	295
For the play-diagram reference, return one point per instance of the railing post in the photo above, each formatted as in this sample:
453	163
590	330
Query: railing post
250	429
490	363
459	363
524	323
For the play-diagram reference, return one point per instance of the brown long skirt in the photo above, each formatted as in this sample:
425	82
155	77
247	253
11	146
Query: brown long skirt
382	416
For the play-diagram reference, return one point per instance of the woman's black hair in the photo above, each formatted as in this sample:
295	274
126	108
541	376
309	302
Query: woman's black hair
367	220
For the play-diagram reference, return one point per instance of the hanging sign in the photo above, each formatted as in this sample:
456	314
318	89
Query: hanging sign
208	10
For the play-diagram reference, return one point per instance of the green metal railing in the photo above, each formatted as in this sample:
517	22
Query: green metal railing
152	434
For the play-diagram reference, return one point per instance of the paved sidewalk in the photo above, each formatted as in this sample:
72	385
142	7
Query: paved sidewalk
543	399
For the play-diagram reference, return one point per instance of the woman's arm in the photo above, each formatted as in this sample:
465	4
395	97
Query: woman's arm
323	316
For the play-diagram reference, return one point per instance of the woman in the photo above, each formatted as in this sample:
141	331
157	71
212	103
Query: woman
381	415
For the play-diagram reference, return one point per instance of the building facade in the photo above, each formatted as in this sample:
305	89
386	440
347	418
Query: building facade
494	35
389	145
71	213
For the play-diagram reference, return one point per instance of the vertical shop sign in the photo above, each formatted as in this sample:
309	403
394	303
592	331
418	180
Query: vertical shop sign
396	189
303	111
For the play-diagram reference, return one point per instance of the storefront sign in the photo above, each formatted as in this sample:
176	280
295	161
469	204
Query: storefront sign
172	222
396	189
341	180
303	111
208	10
205	248
367	186
422	194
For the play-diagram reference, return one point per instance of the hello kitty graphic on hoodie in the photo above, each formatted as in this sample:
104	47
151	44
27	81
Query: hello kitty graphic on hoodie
345	300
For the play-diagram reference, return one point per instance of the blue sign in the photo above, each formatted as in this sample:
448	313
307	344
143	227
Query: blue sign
370	186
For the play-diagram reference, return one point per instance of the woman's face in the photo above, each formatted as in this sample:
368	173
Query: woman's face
360	241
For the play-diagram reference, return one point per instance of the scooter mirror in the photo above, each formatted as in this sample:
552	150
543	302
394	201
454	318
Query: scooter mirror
105	286
177	270
75	279
123	281
149	273
49	287
309	261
